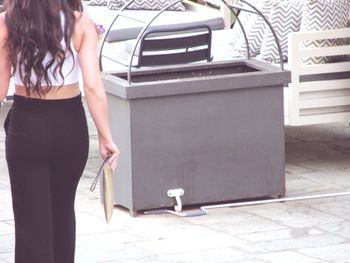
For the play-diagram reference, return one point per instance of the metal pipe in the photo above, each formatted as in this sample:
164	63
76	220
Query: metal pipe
271	201
203	210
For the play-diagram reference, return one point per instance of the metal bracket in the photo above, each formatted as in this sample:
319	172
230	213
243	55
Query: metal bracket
177	193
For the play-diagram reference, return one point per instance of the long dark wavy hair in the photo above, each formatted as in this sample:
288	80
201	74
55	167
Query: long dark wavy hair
34	30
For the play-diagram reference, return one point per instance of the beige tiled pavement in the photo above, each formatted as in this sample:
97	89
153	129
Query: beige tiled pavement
317	161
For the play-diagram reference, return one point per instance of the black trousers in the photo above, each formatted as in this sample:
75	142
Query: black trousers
46	151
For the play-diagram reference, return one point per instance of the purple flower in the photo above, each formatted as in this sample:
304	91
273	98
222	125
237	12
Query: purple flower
99	29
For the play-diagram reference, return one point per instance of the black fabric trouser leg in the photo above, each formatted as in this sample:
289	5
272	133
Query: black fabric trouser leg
46	151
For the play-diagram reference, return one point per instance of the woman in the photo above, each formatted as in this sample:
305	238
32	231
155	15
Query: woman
44	46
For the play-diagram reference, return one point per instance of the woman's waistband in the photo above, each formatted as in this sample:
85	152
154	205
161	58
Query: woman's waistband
45	105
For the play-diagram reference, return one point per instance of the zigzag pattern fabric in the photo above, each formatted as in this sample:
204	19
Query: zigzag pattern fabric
98	2
146	4
245	18
285	17
324	15
255	27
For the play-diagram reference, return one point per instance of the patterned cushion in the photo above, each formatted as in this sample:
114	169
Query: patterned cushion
146	4
212	3
324	15
285	17
97	2
254	27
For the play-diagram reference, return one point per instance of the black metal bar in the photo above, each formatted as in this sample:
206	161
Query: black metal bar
172	43
168	39
175	58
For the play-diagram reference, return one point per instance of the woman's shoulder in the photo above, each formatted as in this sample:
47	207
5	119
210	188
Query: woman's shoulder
2	17
84	22
3	26
84	27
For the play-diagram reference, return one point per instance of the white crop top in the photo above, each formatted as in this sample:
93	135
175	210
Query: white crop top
70	68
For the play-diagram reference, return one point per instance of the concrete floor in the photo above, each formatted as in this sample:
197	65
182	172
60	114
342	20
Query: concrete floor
317	161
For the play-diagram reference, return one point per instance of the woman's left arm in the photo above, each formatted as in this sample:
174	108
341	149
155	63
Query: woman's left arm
5	63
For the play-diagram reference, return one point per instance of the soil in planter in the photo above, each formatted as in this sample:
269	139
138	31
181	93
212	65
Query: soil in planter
184	74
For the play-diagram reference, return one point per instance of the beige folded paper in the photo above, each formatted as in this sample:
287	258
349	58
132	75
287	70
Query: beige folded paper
107	188
107	191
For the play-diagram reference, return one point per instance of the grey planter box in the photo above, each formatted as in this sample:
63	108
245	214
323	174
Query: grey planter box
215	130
